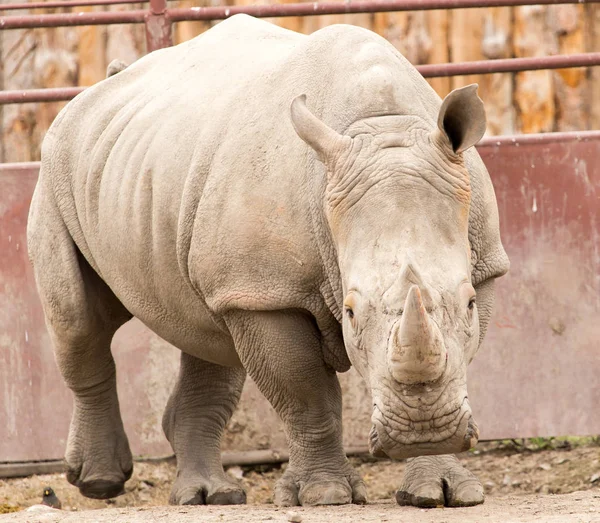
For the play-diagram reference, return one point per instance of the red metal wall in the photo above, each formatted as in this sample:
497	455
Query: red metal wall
537	374
539	371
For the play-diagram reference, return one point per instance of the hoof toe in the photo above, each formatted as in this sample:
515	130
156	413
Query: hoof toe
326	493
227	497
425	497
101	489
466	495
196	494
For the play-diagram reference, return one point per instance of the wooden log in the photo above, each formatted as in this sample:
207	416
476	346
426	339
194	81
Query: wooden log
293	23
422	37
593	43
92	51
479	34
1	89
34	58
184	31
534	90
437	22
126	42
567	22
313	23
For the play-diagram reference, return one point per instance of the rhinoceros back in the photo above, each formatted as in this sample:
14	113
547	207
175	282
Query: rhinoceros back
182	177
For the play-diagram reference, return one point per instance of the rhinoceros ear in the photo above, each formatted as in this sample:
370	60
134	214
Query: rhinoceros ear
326	142
462	118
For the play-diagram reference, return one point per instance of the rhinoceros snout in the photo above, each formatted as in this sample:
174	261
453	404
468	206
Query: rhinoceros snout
397	436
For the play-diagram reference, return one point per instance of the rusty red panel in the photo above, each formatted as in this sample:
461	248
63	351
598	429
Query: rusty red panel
537	374
35	406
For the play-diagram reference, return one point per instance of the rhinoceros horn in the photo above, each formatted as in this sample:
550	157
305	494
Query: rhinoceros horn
417	353
325	141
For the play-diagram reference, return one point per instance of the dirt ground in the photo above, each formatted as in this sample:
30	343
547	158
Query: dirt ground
548	485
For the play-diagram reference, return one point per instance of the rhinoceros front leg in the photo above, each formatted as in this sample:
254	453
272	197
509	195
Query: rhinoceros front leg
200	406
432	481
282	353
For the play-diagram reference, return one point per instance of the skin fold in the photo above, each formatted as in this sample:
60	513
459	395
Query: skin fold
282	206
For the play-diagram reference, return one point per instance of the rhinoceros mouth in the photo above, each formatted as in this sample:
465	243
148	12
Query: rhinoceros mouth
398	440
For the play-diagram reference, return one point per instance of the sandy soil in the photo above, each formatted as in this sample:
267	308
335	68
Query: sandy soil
546	485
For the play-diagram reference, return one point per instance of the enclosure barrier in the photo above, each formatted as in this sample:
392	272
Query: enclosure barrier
158	19
66	3
549	240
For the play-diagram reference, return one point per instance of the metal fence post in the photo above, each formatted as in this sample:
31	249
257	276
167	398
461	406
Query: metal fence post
158	26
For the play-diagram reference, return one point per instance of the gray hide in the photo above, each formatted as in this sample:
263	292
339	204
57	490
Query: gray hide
279	205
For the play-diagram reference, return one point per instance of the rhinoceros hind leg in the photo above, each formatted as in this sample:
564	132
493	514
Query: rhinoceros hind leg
432	481
82	314
200	406
282	352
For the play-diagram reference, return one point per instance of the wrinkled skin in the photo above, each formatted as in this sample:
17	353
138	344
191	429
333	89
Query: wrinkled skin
355	226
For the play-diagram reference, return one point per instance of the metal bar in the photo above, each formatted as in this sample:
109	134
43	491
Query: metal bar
348	7
159	33
243	458
72	19
509	65
20	167
265	11
58	94
66	4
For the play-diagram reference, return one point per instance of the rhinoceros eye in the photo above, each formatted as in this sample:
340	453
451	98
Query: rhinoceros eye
350	313
471	303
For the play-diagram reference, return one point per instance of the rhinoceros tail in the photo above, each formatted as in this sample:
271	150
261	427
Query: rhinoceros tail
116	66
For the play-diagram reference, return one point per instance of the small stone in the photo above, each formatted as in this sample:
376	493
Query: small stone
145	485
545	466
560	461
506	480
557	326
236	472
595	477
294	517
41	508
489	484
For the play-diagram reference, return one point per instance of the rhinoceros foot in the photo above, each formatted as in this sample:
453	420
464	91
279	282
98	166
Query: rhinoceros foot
320	489
98	456
102	489
434	481
199	491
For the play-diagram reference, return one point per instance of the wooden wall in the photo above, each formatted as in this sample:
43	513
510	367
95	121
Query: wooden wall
533	101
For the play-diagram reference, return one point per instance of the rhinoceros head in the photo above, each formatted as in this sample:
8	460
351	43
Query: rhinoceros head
397	203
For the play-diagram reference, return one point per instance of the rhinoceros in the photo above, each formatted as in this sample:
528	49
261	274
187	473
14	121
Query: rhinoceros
283	206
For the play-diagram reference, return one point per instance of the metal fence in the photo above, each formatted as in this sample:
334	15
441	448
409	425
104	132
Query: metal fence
158	19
